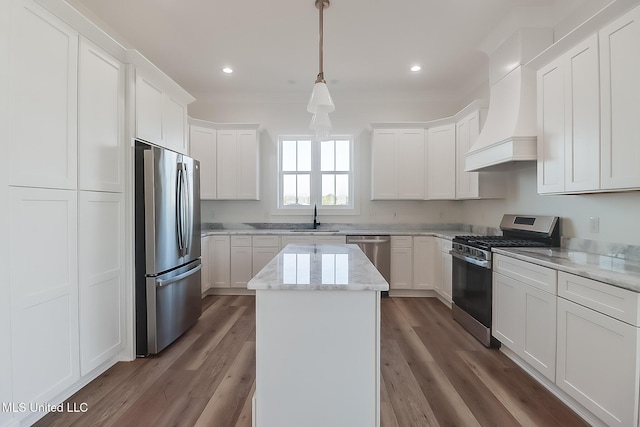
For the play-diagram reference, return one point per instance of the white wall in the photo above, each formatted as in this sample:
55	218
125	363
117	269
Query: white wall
351	118
618	212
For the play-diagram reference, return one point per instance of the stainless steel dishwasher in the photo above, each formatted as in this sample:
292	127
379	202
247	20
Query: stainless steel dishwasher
378	250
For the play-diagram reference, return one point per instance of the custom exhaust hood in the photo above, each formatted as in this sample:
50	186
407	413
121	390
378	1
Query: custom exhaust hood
509	132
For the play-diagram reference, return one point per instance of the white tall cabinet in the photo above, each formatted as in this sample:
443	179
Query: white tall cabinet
237	164
203	147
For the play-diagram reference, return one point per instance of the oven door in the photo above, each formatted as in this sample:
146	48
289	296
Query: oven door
472	288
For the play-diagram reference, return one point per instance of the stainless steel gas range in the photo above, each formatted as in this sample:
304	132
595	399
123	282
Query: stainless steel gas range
472	268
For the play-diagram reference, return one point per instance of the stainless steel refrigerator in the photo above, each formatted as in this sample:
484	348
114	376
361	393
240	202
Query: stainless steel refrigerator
167	244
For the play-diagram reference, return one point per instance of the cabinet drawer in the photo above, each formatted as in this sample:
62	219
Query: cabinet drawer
241	241
266	241
446	245
401	241
618	303
331	240
537	276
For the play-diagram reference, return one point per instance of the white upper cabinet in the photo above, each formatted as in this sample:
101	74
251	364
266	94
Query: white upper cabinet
203	147
620	91
237	163
161	118
441	162
397	164
474	185
568	121
148	110
43	85
100	120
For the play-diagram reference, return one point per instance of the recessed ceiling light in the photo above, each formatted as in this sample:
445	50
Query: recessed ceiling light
227	70
416	68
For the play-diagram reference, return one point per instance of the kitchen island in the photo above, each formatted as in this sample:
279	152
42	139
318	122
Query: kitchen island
318	338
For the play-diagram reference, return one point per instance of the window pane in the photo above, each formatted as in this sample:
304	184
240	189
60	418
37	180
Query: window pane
327	153
342	156
304	156
289	195
328	189
288	155
304	190
342	189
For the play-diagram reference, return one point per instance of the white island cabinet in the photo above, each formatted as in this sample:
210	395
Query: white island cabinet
318	338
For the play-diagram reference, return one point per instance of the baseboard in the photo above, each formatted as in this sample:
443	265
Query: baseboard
411	293
228	291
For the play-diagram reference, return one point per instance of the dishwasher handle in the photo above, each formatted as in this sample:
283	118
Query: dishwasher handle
368	239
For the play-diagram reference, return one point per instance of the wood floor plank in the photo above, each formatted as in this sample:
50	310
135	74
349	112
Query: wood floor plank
227	402
409	404
245	417
432	373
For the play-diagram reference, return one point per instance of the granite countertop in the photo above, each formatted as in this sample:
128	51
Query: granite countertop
319	268
444	234
614	271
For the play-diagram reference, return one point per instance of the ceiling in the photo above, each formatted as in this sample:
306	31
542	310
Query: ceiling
369	45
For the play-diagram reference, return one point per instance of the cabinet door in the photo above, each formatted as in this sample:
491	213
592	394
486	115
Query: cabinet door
539	330
551	127
227	160
247	167
410	155
241	266
426	254
262	256
44	100
205	283
101	257
582	117
441	162
447	271
303	240
506	312
203	148
100	120
467	131
43	272
597	363
620	92
384	172
220	261
401	268
148	110
174	124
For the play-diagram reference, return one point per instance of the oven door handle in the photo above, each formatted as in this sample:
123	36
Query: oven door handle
479	263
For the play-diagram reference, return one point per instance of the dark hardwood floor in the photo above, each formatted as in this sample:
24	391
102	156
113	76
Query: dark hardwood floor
433	374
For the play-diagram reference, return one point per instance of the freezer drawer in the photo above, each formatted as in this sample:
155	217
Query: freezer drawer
173	305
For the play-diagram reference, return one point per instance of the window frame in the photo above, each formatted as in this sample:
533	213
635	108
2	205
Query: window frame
316	179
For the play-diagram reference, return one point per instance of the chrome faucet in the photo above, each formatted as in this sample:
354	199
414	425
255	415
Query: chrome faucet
315	217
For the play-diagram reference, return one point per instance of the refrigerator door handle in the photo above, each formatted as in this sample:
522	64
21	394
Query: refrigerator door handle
187	214
179	209
160	283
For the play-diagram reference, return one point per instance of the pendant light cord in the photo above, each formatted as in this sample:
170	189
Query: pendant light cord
320	78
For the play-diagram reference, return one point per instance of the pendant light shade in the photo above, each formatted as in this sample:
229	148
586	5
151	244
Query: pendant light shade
320	101
320	104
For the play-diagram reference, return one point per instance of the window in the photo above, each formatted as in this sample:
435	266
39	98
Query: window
315	173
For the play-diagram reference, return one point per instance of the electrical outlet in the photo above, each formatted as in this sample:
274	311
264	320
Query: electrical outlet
594	224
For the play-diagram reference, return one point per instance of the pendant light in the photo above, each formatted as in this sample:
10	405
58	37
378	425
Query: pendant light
320	104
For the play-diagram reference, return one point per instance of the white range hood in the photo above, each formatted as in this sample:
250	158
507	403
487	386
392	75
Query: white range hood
509	133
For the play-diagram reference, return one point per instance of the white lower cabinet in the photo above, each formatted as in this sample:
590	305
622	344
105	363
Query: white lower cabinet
219	261
264	249
101	255
444	271
205	281
426	256
598	361
43	272
524	311
241	261
401	262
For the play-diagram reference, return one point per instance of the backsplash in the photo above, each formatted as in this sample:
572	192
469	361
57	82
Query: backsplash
615	250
